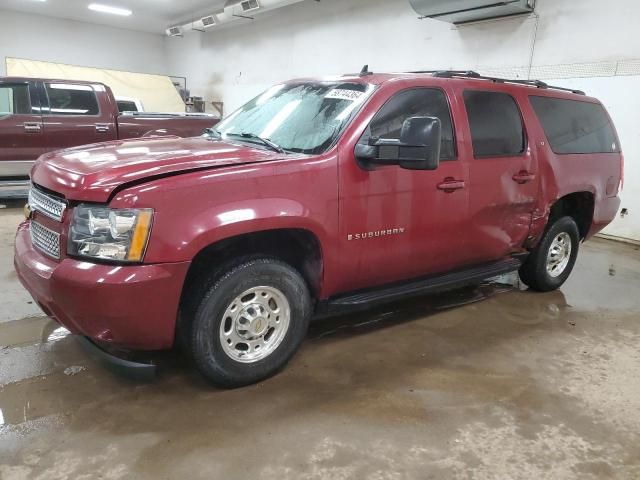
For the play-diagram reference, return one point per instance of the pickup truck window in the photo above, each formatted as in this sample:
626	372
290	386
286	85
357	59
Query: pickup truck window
14	99
416	102
301	117
496	124
575	127
127	106
69	99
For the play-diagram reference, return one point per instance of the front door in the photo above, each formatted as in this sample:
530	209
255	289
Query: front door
21	132
75	117
397	224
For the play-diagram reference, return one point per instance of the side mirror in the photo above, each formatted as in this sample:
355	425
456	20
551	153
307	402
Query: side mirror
417	149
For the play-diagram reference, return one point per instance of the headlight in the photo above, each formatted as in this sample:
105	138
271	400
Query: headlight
110	234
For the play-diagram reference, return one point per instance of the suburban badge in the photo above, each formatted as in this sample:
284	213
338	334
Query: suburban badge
375	234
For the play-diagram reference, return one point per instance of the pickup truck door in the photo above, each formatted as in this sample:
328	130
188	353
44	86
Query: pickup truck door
503	171
77	114
21	133
398	224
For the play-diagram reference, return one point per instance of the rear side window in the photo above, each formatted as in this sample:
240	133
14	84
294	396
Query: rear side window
68	99
572	126
14	100
417	102
496	124
127	106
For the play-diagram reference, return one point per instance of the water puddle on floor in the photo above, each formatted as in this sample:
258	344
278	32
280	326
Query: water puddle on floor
38	356
30	331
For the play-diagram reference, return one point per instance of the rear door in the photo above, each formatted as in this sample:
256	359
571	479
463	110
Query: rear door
74	115
21	133
503	173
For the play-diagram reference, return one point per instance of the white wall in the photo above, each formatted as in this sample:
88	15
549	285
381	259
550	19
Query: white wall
65	41
338	36
567	39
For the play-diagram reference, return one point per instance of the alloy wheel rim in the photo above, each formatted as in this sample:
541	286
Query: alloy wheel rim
559	254
255	324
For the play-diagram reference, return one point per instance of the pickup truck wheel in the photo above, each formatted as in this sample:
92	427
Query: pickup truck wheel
551	262
250	322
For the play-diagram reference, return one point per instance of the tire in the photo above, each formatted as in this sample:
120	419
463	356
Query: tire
535	274
240	333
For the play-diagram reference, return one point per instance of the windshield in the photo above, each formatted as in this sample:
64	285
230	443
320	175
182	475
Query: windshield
303	117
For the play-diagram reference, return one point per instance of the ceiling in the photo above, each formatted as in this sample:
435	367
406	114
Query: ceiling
152	16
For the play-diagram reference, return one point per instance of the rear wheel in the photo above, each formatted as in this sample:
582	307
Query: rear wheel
551	262
249	322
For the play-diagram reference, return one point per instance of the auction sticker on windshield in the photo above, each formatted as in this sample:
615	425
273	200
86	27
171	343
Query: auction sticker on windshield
344	94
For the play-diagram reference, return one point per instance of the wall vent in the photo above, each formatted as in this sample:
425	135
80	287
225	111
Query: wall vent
249	5
208	21
174	32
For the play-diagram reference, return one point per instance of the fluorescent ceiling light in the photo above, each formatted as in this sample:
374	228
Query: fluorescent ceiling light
97	7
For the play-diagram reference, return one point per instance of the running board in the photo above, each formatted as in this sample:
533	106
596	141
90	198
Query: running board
430	284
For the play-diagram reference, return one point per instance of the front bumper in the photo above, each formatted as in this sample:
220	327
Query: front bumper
133	307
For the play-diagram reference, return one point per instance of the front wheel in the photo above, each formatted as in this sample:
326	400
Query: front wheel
551	262
250	322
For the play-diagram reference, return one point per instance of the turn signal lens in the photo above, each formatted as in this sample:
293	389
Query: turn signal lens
140	236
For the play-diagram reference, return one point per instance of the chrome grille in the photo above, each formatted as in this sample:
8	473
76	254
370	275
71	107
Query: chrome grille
46	204
45	240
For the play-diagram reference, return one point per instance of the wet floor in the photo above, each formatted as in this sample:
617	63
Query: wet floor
492	382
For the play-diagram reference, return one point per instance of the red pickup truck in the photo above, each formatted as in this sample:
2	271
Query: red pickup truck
316	196
41	115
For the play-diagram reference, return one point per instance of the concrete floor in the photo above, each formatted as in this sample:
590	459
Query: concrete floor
486	383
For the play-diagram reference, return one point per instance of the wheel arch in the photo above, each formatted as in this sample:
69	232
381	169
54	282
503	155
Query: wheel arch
299	247
578	205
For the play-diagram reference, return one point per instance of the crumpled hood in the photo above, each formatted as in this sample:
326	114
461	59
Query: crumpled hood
93	172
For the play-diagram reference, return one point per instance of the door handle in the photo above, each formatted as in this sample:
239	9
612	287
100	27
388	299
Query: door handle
102	127
32	127
450	185
523	177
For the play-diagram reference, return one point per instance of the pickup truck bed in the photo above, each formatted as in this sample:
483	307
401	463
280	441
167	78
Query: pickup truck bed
41	115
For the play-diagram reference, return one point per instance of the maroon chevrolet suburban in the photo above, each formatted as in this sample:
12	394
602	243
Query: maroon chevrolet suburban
39	115
316	196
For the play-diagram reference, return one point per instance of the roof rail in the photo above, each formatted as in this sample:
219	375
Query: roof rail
476	75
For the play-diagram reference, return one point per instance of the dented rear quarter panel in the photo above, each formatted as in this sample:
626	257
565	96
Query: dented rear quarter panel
561	175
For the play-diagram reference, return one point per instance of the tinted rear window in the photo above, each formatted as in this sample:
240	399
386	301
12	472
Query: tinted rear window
127	106
572	126
68	99
495	123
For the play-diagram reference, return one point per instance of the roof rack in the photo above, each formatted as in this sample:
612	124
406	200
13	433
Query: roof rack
476	75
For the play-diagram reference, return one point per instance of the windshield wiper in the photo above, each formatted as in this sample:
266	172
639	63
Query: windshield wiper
265	141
